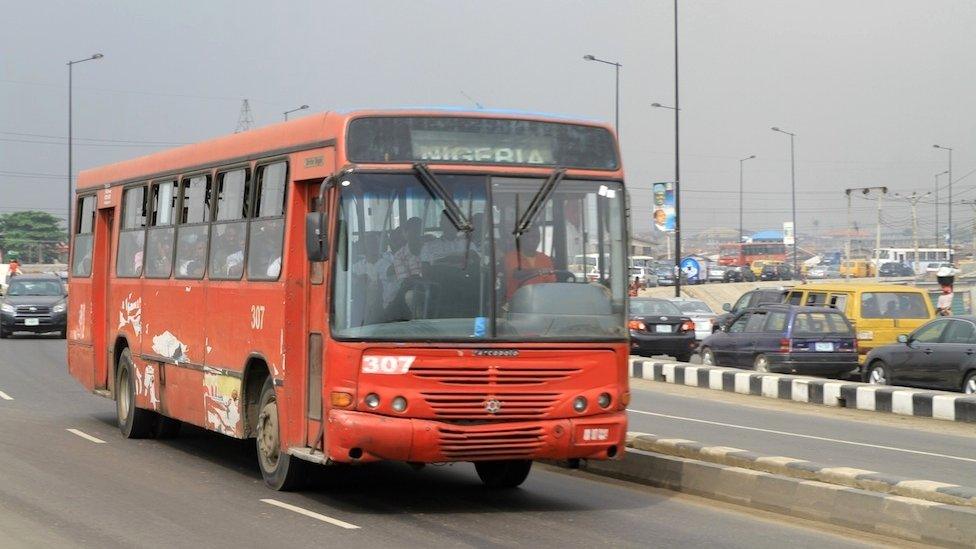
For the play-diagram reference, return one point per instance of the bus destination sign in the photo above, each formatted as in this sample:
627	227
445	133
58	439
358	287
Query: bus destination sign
479	140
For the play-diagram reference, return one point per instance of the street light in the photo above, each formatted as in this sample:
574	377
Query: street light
70	64
296	109
937	176
616	101
793	187
742	161
949	171
660	106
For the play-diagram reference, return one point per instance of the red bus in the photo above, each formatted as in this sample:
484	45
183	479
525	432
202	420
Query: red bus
742	254
354	287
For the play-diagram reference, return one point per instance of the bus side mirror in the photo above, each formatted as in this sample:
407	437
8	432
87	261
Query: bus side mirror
316	241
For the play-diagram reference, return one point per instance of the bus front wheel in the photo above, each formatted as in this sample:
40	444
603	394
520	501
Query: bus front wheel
134	422
503	474
280	470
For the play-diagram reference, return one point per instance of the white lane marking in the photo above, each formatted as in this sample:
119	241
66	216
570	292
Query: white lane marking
85	436
5	396
311	514
812	437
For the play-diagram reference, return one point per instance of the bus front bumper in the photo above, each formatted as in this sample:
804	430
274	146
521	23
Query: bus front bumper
356	437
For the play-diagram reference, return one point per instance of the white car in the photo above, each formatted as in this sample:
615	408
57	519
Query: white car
699	312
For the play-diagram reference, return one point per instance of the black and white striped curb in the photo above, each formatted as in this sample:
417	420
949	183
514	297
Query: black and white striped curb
798	468
894	516
844	394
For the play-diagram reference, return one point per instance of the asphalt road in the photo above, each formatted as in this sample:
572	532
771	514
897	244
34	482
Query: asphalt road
65	488
911	447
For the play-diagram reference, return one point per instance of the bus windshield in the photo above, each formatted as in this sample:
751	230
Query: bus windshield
403	271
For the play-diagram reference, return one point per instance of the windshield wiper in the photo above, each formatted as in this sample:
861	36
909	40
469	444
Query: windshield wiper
524	222
436	190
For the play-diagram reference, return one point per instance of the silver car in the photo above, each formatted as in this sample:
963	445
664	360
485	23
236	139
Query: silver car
699	312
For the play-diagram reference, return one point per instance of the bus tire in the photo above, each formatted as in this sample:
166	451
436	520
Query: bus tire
166	427
280	471
134	422
503	474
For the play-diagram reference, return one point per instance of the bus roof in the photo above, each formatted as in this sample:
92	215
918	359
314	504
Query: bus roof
312	131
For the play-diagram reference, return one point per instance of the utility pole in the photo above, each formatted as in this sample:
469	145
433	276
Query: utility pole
972	204
913	200
847	250
877	242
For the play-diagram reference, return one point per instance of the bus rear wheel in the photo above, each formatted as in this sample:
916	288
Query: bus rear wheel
134	422
503	474
280	471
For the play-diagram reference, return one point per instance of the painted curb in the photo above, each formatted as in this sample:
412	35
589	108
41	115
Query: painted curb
872	481
814	390
887	515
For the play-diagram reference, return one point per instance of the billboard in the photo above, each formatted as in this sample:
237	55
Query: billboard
663	210
788	238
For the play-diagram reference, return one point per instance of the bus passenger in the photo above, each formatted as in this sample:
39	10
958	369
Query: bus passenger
197	262
406	260
229	257
526	265
445	246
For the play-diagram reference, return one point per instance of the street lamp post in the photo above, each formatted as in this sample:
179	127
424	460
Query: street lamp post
949	228
71	64
742	161
937	176
792	192
296	109
616	92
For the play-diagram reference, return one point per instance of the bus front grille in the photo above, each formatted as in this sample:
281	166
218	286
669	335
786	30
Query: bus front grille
500	443
478	405
500	375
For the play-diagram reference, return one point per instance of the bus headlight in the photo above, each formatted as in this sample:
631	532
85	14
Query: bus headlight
579	404
372	400
399	404
604	400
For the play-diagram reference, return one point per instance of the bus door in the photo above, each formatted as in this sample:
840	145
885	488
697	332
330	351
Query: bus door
316	309
101	272
81	353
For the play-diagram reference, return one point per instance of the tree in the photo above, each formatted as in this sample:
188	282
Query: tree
35	236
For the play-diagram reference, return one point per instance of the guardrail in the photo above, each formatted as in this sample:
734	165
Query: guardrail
845	394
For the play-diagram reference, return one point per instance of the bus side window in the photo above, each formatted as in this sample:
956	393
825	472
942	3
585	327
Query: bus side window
132	233
795	298
228	234
267	226
81	263
839	302
159	240
193	229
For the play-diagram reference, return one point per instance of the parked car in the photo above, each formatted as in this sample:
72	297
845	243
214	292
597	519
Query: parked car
657	327
824	272
939	355
776	271
785	338
716	273
739	274
752	298
879	312
665	276
895	269
936	265
699	312
34	303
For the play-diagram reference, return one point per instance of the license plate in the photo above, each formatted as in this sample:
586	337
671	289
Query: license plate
663	328
32	322
821	346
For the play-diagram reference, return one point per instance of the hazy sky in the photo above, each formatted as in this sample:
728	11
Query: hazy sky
867	85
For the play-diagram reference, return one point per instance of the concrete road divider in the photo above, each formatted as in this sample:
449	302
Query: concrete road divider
873	481
814	390
896	516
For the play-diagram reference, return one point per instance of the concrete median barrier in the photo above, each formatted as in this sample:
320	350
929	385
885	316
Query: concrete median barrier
828	392
877	512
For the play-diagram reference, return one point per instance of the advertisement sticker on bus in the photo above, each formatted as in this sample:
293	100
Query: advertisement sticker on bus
379	364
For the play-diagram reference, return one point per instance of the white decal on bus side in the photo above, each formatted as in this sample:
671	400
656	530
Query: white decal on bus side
386	364
166	344
221	401
131	313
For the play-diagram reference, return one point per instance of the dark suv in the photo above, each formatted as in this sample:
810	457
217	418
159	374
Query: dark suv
34	303
752	298
895	269
785	338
